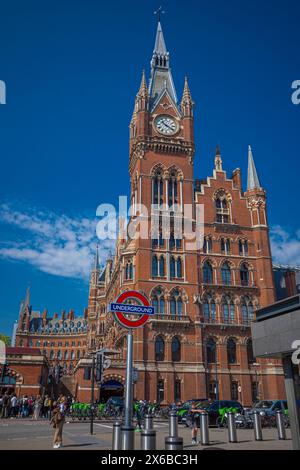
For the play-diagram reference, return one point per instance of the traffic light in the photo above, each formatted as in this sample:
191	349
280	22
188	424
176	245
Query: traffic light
99	367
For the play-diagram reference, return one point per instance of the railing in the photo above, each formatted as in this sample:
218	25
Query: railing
162	317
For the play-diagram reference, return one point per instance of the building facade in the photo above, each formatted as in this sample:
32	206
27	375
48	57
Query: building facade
198	344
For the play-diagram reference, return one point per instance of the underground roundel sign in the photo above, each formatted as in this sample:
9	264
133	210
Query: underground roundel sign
141	309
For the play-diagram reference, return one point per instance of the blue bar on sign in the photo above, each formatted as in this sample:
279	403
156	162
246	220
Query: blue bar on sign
132	309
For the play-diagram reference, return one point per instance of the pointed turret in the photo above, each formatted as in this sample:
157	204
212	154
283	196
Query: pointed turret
252	180
186	101
143	90
218	159
161	77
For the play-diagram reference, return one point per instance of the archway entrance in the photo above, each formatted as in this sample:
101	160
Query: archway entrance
111	388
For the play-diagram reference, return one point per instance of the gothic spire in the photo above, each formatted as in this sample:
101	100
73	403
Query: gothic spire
252	180
27	298
186	101
143	90
161	77
218	159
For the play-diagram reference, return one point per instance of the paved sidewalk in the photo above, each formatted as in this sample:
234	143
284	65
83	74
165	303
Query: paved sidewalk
28	434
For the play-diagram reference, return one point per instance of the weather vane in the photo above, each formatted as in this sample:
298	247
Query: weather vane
159	12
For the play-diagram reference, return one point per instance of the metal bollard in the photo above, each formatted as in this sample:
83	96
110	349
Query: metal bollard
173	441
257	426
116	436
204	428
127	433
231	427
280	425
148	435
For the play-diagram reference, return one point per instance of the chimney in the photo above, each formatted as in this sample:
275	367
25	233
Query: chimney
290	282
236	176
63	315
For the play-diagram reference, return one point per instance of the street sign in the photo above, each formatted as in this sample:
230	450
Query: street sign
121	309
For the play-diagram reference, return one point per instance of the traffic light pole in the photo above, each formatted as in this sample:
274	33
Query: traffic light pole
92	395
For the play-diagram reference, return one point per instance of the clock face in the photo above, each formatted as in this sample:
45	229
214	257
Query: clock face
166	125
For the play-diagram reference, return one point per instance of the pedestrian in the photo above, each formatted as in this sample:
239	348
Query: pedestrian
13	406
46	407
25	407
37	406
57	420
192	420
5	405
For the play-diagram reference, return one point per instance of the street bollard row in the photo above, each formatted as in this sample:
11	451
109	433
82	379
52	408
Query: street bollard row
175	442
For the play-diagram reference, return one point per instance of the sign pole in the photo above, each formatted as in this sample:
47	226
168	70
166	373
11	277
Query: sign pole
127	428
92	396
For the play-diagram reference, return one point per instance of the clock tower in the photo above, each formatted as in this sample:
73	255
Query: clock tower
162	187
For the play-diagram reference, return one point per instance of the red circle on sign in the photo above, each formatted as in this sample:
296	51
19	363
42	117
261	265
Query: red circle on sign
126	322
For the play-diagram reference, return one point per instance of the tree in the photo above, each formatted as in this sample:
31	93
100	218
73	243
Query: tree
5	339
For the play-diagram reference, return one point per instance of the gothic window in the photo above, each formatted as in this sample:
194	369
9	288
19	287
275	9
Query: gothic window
157	188
72	355
225	246
207	245
30	343
52	355
243	248
129	270
172	267
250	355
222	208
59	356
247	310
244	275
211	351
176	350
158	301
179	268
38	344
226	274
228	310
78	354
209	310
172	189
66	355
159	349
231	351
154	266
207	273
158	266
161	266
176	303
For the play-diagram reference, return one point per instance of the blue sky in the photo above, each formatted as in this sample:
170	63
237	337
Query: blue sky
72	69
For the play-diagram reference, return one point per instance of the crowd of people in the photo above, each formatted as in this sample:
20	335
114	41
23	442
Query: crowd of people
34	407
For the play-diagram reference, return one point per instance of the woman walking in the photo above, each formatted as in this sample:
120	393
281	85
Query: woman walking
57	420
37	407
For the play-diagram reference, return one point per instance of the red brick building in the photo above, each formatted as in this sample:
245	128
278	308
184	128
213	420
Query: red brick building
198	343
25	372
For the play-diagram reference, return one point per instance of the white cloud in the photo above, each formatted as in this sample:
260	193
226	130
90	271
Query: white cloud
55	244
285	246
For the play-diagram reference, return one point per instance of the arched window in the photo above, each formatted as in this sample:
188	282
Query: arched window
72	355
161	266
226	274
129	270
222	208
154	266
176	349
51	354
78	354
66	355
250	355
172	189
207	271
179	270
158	188
59	354
225	246
228	309
159	349
244	275
247	310
209	310
172	267
231	351
176	303
243	248
158	301
207	245
211	351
